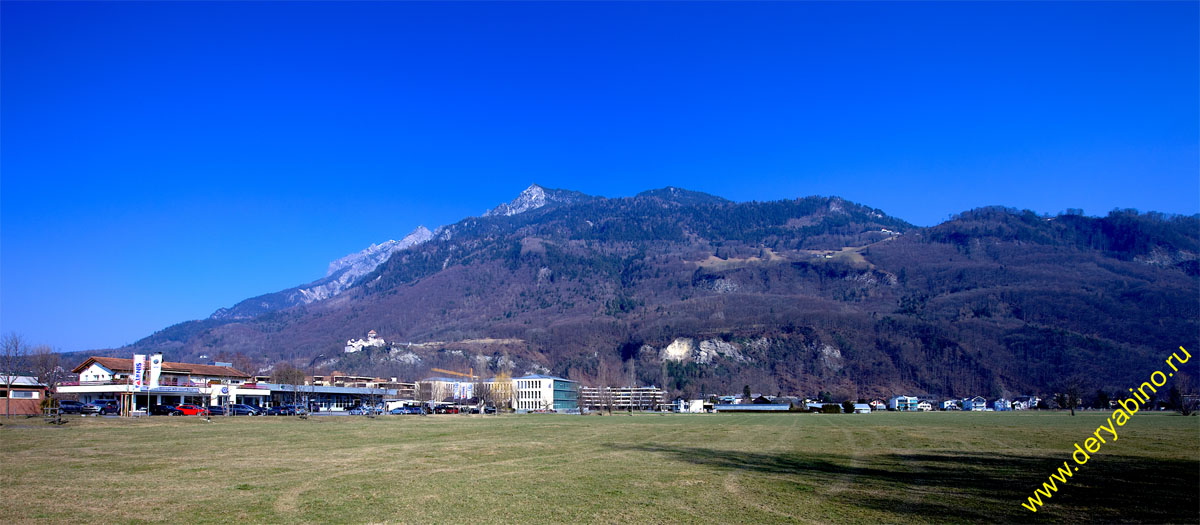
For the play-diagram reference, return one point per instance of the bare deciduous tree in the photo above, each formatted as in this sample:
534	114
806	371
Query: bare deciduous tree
244	363
1189	402
423	392
501	390
45	364
287	374
13	356
1073	388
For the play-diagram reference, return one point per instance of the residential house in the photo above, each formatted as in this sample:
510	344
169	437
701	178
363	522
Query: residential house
903	404
925	405
1026	402
951	404
974	404
862	408
1002	405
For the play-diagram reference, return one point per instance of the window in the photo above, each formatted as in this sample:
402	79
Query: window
22	394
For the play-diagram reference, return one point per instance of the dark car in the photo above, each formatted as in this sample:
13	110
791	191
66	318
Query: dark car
164	410
285	410
216	410
100	408
243	410
70	407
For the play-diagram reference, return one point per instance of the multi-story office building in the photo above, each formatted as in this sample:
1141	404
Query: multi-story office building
623	398
542	392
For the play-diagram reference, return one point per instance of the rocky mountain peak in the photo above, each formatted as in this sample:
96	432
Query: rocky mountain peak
375	254
534	197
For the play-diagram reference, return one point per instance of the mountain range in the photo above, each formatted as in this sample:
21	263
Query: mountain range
700	294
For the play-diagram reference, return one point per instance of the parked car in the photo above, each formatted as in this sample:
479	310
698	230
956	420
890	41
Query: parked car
360	410
70	407
447	410
165	410
100	407
192	410
285	410
399	411
216	410
243	410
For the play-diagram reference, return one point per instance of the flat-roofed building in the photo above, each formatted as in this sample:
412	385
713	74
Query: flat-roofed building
622	398
542	392
21	395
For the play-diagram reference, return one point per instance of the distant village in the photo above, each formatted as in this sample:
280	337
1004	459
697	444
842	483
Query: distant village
149	385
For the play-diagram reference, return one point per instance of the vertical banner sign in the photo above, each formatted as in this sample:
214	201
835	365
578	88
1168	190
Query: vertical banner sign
155	369
139	369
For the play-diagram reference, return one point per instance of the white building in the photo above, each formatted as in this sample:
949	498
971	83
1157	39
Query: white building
355	345
694	406
903	404
924	406
950	404
1025	402
622	398
112	378
545	393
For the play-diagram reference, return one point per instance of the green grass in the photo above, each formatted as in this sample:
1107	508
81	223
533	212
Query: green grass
893	468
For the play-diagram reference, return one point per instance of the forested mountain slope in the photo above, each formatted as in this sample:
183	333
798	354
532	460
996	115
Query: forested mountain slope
688	290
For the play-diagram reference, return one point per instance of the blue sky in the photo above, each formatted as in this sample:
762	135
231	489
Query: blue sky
161	160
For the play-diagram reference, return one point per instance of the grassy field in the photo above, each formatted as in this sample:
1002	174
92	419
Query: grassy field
726	468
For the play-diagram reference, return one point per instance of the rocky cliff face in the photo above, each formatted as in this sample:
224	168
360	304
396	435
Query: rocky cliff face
342	274
345	271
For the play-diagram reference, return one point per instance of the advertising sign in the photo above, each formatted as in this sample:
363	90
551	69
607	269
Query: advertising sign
155	369
464	390
139	370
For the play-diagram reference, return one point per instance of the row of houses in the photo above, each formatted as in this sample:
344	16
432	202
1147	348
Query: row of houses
969	404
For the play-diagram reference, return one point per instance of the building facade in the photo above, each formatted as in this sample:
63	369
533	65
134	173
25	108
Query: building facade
974	404
623	398
372	340
21	395
545	393
903	404
114	378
